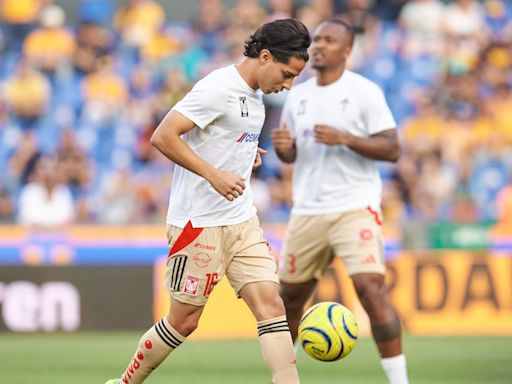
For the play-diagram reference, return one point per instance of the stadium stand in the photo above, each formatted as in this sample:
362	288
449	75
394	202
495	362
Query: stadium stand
89	92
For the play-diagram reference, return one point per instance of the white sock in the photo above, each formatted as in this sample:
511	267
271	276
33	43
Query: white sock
396	369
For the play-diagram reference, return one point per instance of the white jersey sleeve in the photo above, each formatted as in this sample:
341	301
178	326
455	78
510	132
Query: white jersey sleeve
205	103
377	114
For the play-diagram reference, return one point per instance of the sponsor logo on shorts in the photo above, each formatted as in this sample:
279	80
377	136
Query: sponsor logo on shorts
191	285
369	260
366	234
205	246
202	259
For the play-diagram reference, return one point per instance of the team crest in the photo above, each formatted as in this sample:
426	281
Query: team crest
244	107
302	107
344	104
191	285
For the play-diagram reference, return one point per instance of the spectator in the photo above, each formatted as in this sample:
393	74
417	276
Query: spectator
46	202
24	159
422	21
280	9
6	206
98	12
93	42
19	18
104	90
465	19
138	21
51	45
210	26
28	94
72	163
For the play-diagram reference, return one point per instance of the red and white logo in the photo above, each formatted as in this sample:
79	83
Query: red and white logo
204	246
366	234
191	285
202	259
369	260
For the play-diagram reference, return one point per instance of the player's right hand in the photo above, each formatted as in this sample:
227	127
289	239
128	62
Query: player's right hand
228	184
282	139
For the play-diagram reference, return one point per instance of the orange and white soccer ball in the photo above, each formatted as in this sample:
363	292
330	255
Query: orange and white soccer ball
328	331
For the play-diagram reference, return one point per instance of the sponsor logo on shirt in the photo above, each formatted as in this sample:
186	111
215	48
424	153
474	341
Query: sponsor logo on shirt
244	107
248	138
308	133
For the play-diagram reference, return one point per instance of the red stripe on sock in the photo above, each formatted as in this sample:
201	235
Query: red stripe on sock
188	235
375	215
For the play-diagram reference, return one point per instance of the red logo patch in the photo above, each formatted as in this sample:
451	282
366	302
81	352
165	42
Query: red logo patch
191	285
369	260
366	235
202	259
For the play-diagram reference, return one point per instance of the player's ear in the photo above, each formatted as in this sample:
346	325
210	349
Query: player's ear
265	56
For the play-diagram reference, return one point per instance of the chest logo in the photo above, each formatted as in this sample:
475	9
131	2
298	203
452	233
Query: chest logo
244	106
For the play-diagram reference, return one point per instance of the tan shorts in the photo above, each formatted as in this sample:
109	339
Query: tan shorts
200	257
313	241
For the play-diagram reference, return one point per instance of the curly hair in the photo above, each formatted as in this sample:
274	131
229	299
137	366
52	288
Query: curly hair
283	38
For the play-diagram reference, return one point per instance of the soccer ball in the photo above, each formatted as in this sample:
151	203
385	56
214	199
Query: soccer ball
328	331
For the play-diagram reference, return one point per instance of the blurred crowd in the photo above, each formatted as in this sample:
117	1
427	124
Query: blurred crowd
79	101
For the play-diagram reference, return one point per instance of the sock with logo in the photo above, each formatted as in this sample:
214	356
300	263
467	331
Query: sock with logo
396	369
154	346
277	348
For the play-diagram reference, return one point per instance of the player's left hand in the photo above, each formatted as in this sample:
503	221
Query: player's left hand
258	161
326	134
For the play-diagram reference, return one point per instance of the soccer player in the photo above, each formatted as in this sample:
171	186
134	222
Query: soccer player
212	137
334	127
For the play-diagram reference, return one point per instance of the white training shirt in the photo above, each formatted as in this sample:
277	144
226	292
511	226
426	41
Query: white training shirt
229	115
333	178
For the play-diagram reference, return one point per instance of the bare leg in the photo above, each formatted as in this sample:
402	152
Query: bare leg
276	343
386	328
295	297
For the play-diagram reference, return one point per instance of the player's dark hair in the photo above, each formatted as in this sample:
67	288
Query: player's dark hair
350	29
283	38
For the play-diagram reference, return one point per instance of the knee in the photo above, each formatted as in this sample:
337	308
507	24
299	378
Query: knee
184	326
270	308
373	294
292	299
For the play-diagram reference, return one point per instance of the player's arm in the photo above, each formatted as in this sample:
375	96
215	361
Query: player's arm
383	145
284	144
167	139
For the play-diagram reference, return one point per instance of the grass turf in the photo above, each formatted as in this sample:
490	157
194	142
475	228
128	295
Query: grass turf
87	358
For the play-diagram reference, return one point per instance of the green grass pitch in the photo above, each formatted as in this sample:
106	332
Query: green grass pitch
92	358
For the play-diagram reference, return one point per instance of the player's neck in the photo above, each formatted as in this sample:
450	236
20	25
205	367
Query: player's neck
330	76
247	69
